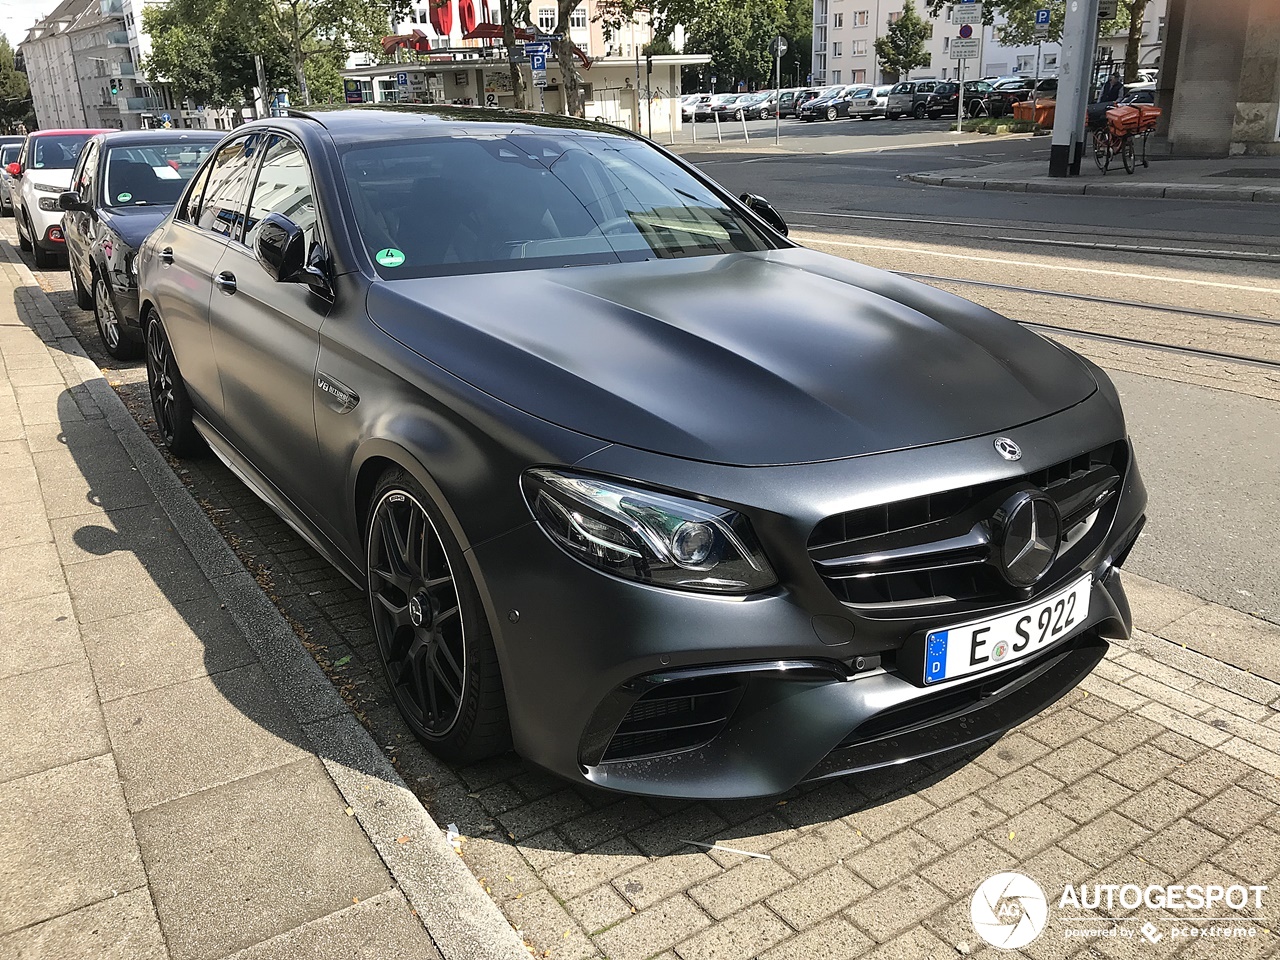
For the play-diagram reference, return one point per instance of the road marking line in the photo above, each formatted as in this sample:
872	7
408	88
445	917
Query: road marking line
1049	266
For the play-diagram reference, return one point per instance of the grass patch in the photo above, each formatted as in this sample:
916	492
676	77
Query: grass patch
996	125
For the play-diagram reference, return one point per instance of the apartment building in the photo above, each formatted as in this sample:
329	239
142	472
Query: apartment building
845	32
81	62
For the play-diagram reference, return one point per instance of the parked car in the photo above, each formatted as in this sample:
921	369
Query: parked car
910	99
1005	93
122	186
759	106
702	106
726	105
804	96
787	102
42	171
869	102
831	105
946	96
1140	93
678	506
688	105
10	148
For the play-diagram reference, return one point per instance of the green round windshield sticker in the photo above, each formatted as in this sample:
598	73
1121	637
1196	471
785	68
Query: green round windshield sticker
390	257
124	198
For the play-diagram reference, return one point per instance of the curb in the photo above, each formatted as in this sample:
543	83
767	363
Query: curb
1070	187
462	921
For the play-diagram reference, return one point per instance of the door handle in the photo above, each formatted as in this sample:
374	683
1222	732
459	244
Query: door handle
166	255
226	282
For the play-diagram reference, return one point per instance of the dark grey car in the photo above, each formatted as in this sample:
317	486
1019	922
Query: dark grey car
631	480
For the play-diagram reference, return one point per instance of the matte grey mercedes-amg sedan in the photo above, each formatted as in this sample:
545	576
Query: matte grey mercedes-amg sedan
673	504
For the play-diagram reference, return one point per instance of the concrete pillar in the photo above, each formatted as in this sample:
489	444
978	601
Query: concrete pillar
1208	82
1171	47
1075	74
1256	125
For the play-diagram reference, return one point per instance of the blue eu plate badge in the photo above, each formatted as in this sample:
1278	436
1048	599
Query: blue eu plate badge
935	657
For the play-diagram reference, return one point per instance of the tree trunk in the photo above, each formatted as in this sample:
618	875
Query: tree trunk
1132	49
299	63
505	10
570	84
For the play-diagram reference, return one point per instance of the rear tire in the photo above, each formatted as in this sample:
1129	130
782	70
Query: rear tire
433	637
170	401
919	112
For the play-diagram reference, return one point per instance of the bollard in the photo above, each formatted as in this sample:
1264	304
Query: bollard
743	116
716	114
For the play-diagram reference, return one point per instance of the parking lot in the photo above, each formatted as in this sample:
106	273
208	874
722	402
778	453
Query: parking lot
1162	768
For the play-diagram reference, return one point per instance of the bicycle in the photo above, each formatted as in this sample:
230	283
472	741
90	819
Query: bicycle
1115	137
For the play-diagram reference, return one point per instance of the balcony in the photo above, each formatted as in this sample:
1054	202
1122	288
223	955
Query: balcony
117	38
123	68
140	104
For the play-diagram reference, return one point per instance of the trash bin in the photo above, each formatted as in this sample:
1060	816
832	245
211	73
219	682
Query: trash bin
1039	111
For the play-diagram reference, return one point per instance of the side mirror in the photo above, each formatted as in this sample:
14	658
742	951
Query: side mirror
72	201
14	169
765	210
280	247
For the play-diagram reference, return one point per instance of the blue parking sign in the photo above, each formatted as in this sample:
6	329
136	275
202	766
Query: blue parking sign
1042	18
402	79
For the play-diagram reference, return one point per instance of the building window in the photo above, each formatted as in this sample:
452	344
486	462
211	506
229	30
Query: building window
837	48
1160	30
857	48
1050	61
895	16
835	76
861	18
859	76
1025	64
837	20
578	19
546	19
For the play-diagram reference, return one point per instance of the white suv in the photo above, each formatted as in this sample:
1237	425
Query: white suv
43	171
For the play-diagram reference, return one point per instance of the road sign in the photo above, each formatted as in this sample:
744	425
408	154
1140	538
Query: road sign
538	61
402	78
540	79
966	13
538	46
165	118
1042	21
1107	9
964	48
966	32
778	46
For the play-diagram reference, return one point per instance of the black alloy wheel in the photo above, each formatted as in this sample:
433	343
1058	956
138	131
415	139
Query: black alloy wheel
433	637
115	339
920	111
169	399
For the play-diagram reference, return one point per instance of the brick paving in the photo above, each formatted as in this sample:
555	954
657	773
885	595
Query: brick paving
1163	766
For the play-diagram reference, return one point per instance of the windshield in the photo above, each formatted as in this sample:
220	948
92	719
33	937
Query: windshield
9	154
448	205
150	174
56	153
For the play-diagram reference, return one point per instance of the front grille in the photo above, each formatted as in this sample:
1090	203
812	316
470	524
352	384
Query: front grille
675	716
932	554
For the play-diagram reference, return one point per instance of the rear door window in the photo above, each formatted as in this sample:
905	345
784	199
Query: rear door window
222	209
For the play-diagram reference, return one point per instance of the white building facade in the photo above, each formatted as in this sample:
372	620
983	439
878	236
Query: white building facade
845	32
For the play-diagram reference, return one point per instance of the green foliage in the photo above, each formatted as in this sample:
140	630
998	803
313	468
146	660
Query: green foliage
1020	19
659	47
901	49
15	95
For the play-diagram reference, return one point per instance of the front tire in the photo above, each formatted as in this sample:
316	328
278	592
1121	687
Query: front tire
24	243
832	113
920	112
893	116
170	401
115	339
433	637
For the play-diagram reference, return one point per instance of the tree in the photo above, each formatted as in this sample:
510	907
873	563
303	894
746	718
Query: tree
507	10
1137	10
15	94
901	49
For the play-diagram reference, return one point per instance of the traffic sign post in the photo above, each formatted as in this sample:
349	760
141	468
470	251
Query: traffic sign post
964	48
1042	21
962	13
1107	9
777	46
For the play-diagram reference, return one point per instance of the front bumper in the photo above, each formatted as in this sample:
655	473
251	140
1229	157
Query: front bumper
788	685
47	225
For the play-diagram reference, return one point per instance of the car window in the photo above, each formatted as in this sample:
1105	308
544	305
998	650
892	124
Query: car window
925	87
862	94
83	177
189	210
57	152
552	199
901	88
222	208
9	154
144	174
283	186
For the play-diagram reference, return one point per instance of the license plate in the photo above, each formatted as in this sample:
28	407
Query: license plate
995	641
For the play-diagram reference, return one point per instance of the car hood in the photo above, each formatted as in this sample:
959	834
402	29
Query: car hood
49	177
789	356
132	224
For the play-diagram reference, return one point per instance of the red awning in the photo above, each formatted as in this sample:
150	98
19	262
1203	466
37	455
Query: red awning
442	16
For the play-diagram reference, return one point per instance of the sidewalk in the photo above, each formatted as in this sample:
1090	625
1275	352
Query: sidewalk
178	777
1238	179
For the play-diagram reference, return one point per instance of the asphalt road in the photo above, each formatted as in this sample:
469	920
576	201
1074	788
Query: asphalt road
836	180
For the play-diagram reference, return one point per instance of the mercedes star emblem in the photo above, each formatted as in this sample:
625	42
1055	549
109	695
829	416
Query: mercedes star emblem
1007	448
1028	532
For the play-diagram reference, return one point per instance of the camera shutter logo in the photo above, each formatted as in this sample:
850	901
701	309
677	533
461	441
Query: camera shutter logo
1009	910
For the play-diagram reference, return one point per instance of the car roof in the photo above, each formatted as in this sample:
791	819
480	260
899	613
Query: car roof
69	132
354	123
141	138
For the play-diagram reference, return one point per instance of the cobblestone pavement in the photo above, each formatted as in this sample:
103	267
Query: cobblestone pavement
1162	767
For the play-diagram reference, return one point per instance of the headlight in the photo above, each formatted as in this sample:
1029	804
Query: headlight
45	188
49	203
648	536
